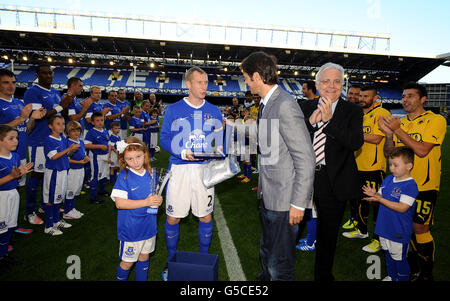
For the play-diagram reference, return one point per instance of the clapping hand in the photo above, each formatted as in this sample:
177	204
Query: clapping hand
23	169
372	195
74	147
325	108
26	111
39	114
323	112
389	124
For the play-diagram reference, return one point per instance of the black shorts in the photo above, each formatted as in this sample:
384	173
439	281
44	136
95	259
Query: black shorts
425	204
372	179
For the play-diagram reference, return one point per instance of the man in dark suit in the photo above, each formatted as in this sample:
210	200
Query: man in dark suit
286	169
335	126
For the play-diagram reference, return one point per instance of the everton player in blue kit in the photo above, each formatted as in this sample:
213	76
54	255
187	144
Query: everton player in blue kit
397	196
14	113
97	141
77	108
133	195
123	104
190	125
96	94
56	153
41	95
115	111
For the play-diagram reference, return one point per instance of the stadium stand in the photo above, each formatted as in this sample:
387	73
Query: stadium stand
172	81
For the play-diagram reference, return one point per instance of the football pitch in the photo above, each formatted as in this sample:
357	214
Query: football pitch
92	243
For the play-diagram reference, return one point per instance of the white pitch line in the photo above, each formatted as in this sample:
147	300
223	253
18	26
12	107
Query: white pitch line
232	262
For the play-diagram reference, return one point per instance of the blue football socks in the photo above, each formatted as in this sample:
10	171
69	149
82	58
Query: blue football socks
171	232
32	188
121	274
48	209
142	270
4	242
205	231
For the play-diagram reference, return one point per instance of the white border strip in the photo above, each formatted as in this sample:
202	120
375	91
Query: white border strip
233	264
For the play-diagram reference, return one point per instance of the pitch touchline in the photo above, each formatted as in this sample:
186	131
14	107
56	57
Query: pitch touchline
232	262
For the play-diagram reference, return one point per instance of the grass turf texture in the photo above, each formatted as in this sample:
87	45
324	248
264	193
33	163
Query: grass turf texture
93	239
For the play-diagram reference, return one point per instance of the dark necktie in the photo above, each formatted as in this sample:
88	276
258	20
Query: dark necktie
261	107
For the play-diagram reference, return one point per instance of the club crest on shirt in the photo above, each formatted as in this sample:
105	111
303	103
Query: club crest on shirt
396	192
207	117
416	136
366	129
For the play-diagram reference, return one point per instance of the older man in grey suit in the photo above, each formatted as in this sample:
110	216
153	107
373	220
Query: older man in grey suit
286	167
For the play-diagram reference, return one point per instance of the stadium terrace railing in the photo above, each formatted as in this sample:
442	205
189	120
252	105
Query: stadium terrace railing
142	27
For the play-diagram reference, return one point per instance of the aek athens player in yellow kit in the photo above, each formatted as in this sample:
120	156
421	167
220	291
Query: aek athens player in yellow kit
371	164
424	132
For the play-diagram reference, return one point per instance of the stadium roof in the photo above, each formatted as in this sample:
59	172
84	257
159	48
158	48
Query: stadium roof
177	55
173	45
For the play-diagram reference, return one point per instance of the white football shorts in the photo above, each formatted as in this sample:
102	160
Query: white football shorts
75	179
9	209
129	251
153	139
36	155
395	249
99	165
185	190
55	186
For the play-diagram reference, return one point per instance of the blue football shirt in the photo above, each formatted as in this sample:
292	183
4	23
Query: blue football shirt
9	111
78	155
53	146
134	224
48	99
6	165
123	121
114	109
96	136
75	108
192	128
93	108
136	123
391	224
154	130
114	139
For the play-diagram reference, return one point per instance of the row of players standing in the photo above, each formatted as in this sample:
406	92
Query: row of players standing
241	119
34	119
